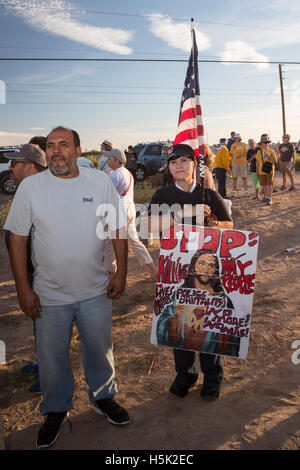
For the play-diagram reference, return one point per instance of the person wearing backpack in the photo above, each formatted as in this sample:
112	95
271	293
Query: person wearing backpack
265	167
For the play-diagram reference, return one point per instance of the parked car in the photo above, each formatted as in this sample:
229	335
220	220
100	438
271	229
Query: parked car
7	184
150	158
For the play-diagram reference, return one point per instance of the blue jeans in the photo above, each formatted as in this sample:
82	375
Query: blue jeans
93	319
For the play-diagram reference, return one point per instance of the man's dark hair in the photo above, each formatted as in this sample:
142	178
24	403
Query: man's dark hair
39	140
75	134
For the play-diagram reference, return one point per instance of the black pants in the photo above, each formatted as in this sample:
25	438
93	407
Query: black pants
187	368
221	177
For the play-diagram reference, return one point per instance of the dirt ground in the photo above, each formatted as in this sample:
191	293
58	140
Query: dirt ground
259	402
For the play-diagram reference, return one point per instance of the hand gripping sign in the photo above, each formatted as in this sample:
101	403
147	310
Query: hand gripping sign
204	290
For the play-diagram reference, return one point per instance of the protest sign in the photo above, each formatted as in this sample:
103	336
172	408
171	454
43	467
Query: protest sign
204	290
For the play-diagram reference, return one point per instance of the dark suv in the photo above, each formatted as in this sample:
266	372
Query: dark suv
150	157
7	184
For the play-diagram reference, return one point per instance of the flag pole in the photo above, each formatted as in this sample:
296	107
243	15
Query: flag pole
201	157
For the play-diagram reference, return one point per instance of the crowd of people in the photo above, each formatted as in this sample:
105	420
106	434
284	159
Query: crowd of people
69	258
237	159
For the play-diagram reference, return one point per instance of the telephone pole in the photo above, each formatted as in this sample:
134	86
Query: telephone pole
282	99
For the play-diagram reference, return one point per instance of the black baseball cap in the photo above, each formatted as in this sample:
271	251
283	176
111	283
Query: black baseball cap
181	150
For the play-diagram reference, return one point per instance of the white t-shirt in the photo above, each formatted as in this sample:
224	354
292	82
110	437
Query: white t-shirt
124	184
64	215
103	165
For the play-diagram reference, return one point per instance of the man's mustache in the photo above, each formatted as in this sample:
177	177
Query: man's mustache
57	156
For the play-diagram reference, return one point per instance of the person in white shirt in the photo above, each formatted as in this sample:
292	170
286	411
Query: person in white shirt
103	165
85	162
61	208
124	183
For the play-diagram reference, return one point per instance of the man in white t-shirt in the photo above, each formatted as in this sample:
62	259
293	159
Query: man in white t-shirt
103	165
124	183
65	209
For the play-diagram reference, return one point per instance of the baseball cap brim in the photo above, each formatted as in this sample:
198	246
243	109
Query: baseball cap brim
13	155
181	150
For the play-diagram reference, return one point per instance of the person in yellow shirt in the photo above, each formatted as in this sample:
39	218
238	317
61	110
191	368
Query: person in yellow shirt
221	166
239	166
266	157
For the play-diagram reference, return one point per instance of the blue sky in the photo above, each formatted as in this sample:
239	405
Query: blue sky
133	102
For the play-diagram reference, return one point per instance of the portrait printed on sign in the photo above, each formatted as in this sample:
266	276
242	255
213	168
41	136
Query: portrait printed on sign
204	290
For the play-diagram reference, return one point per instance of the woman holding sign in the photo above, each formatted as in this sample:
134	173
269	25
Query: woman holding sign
181	200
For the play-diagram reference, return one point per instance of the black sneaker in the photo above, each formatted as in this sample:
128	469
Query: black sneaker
48	432
210	394
182	389
179	390
114	413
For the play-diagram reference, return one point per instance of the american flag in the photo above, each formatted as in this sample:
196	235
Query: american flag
190	126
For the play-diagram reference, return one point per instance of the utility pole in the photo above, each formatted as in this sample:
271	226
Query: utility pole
282	99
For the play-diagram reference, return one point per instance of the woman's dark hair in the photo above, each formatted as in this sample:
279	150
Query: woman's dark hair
215	281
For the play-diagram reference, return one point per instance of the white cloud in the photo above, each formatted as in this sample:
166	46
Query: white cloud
240	50
51	76
13	134
37	128
13	138
176	34
77	71
277	90
57	17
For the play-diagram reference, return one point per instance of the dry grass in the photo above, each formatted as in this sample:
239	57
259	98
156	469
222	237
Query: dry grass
144	190
4	210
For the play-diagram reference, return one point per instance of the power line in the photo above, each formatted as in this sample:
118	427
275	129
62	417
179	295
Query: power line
122	92
133	86
220	61
137	103
69	49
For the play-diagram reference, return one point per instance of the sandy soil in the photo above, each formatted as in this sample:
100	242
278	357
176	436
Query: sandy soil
260	400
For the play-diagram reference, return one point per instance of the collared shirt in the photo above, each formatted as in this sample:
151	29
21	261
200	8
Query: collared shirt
190	191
